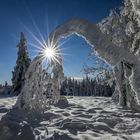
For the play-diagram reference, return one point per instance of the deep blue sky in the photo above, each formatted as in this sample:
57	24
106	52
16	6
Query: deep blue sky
15	14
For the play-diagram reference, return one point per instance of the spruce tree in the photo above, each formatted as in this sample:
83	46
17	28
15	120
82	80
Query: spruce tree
22	64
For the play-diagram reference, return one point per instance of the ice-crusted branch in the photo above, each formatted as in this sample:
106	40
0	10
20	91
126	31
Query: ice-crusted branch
103	45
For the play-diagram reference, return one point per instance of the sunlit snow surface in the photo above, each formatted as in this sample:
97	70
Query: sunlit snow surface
6	103
87	118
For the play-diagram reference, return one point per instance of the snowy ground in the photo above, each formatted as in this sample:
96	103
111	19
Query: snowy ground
6	104
87	118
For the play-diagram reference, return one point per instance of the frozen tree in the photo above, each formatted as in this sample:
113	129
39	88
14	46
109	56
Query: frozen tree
124	30
86	86
103	73
98	67
22	64
113	53
6	84
124	27
42	86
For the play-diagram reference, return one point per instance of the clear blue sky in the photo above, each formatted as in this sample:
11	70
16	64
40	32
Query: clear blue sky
16	14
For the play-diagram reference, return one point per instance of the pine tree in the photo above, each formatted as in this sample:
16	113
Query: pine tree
22	64
6	84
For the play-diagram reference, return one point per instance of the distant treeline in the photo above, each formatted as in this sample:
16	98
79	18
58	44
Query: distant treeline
88	87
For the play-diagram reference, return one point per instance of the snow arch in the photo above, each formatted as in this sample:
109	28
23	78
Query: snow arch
101	44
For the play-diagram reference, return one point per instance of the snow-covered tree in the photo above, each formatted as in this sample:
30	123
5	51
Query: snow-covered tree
88	86
124	28
22	64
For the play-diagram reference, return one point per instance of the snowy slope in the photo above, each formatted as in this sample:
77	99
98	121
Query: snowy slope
86	118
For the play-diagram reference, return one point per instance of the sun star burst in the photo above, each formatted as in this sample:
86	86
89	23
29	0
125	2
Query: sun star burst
50	53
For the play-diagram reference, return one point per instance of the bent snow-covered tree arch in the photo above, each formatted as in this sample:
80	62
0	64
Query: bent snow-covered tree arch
103	45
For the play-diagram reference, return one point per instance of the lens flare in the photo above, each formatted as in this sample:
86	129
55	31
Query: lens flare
50	53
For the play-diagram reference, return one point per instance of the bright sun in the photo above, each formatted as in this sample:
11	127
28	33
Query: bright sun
49	52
